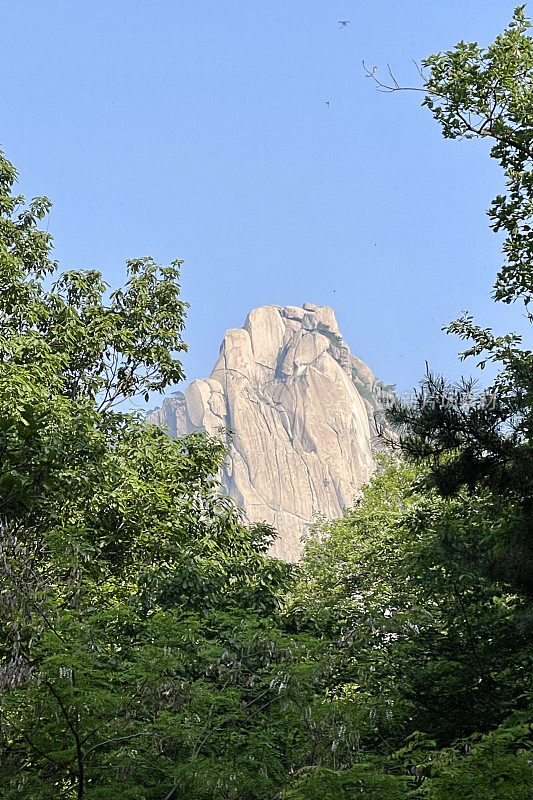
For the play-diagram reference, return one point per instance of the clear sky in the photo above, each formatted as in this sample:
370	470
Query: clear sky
243	137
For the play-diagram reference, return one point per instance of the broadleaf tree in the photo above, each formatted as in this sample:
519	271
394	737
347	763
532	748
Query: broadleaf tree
477	92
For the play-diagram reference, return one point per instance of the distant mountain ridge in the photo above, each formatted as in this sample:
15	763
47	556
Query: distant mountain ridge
301	409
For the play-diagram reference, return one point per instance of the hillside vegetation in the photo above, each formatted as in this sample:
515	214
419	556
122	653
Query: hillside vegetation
149	648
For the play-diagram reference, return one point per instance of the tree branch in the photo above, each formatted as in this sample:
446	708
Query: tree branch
75	734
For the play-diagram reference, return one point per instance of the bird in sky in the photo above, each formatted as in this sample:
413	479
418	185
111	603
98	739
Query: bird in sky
343	23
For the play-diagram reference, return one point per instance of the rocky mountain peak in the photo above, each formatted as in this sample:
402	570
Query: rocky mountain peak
300	408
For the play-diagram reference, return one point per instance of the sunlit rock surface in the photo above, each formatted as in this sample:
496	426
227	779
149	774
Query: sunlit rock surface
301	410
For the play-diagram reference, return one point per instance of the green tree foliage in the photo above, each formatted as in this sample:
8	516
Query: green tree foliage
133	655
91	344
476	92
428	656
496	765
149	648
391	580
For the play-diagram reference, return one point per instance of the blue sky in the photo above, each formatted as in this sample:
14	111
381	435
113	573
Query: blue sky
200	130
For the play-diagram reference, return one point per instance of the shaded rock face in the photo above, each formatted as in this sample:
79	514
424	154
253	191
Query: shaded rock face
300	408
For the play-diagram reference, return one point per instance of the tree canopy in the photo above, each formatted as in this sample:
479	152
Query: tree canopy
150	649
470	439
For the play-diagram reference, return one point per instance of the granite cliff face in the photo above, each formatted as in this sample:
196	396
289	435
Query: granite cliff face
301	410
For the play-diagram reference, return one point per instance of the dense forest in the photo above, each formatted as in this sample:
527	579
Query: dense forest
150	649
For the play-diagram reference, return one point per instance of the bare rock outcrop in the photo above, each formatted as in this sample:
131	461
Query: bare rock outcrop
300	408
